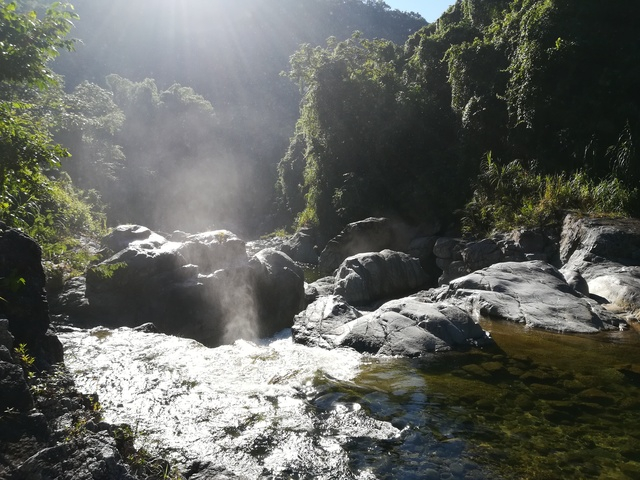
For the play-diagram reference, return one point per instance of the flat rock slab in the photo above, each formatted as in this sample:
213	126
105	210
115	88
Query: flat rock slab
533	293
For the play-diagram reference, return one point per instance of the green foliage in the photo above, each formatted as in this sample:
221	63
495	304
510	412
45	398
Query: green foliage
26	360
512	195
33	197
107	270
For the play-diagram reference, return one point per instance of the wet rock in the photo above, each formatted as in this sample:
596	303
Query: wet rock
323	322
366	277
533	293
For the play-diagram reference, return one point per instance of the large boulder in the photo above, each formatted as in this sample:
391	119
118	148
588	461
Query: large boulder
24	300
533	293
369	235
279	290
302	247
407	327
203	286
605	252
323	322
367	277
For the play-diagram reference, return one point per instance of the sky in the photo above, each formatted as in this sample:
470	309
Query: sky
429	9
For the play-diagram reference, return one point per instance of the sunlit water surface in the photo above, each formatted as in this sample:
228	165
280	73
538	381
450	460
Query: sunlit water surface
540	406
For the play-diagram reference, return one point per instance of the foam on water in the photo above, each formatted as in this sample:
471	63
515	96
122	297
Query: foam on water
243	406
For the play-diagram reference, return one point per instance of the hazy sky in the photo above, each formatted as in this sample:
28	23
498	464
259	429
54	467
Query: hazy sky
429	9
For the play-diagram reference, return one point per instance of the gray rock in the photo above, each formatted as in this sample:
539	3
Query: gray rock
477	255
323	322
214	250
125	235
617	240
606	253
278	288
532	293
407	327
575	281
370	235
367	277
321	287
410	328
302	247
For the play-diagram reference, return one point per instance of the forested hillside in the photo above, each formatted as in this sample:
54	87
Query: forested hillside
532	104
185	169
177	116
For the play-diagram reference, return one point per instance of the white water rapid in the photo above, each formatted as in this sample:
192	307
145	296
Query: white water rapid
257	410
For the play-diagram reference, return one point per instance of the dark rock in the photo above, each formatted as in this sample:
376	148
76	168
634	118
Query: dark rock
279	290
302	247
484	253
22	288
367	277
370	235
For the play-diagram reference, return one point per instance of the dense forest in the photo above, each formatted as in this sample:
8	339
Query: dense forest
262	114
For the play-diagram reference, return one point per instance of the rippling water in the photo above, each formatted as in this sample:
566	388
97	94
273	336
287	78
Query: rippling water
539	406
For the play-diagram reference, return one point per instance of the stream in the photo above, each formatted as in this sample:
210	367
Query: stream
540	406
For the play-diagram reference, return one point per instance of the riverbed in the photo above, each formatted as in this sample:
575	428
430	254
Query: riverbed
539	406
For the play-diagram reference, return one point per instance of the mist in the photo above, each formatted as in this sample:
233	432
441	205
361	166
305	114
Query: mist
193	112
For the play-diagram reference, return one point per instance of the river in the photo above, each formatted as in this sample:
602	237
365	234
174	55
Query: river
540	406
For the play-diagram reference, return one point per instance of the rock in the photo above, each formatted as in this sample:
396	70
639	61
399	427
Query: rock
302	247
533	293
124	236
321	287
370	235
606	253
279	290
484	253
406	327
575	281
322	323
222	297
410	328
91	457
213	250
367	277
22	288
614	239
